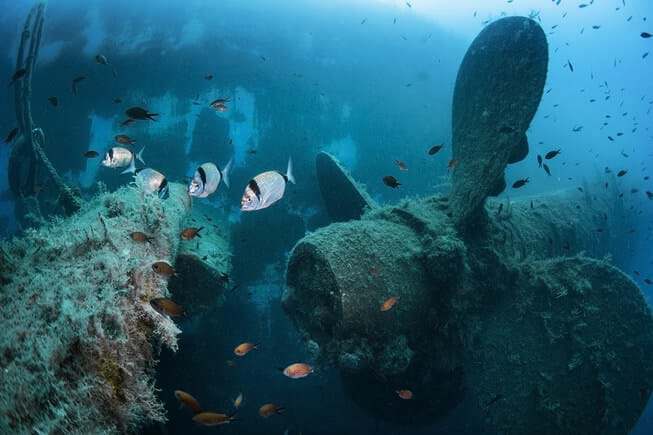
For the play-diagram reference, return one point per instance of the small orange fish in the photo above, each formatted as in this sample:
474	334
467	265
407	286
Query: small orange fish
387	305
245	348
213	418
125	140
191	233
452	164
270	409
163	268
188	401
137	236
402	165
298	370
405	394
167	306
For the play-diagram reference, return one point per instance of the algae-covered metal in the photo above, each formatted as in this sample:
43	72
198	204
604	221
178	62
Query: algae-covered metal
512	303
498	89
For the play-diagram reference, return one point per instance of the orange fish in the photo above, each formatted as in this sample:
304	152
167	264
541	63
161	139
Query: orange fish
298	370
125	140
188	401
452	164
137	236
167	306
191	233
387	305
245	348
270	409
405	394
213	418
402	165
163	268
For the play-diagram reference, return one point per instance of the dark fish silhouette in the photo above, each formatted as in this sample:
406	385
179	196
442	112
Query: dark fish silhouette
391	181
539	160
54	101
571	67
90	154
546	169
76	81
622	173
20	73
551	154
435	149
519	183
11	135
646	35
140	114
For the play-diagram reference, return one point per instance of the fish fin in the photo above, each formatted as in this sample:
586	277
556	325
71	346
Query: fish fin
289	174
226	170
150	115
131	168
139	155
280	410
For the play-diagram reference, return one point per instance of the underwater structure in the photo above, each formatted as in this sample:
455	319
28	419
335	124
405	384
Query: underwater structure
81	332
29	167
81	336
514	305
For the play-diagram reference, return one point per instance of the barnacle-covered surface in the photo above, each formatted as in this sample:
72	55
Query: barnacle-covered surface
203	264
462	299
80	338
498	90
565	347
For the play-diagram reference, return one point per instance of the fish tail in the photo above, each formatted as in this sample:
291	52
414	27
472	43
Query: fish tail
150	115
226	170
280	410
289	174
139	155
131	168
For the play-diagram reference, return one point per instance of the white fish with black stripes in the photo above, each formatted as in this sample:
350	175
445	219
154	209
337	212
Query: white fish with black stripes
152	181
207	178
118	157
265	189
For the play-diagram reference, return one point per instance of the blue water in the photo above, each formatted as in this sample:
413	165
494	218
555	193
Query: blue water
369	81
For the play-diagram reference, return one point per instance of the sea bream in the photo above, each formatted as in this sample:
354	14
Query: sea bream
207	179
152	181
265	189
118	157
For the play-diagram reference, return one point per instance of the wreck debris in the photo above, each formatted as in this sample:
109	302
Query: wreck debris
28	159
